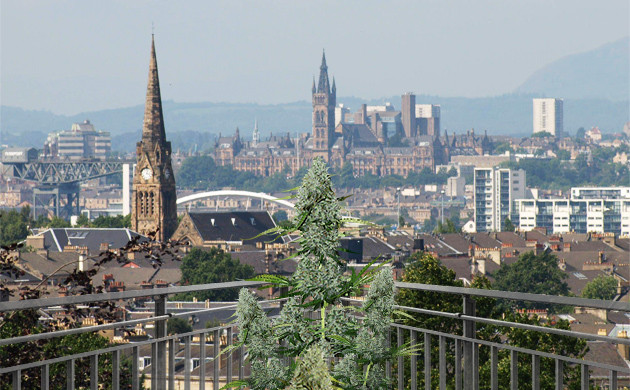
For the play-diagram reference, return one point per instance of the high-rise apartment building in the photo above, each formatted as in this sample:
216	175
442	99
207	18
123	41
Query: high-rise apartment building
588	210
80	142
495	190
548	116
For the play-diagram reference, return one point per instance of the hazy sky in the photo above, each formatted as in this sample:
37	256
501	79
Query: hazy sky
74	56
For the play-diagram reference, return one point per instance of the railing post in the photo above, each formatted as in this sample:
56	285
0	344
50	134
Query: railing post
159	360
469	332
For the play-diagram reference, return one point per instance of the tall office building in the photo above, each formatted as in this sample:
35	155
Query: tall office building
548	116
495	190
80	142
428	119
408	114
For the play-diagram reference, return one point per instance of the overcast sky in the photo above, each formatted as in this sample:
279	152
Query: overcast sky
74	56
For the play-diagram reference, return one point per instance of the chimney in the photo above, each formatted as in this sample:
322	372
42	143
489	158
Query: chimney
624	350
81	263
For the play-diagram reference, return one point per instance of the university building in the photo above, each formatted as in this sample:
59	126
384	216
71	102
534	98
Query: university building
338	137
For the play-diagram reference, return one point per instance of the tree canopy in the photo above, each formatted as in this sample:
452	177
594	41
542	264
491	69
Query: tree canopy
212	266
602	287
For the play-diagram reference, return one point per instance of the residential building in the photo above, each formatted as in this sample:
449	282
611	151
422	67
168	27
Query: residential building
548	116
587	210
80	142
495	190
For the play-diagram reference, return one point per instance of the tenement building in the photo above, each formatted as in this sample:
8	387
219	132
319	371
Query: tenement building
364	140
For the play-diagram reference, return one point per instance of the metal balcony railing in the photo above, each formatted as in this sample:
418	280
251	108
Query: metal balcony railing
189	360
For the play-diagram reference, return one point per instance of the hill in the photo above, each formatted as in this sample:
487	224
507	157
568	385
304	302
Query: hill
601	73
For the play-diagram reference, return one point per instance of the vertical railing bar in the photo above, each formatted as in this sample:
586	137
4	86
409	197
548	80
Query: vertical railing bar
475	376
535	372
171	363
613	380
559	374
202	360
70	374
469	332
585	377
401	362
116	370
230	341
154	365
187	365
458	364
16	379
135	368
427	361
94	372
388	363
414	360
216	359
45	380
513	370
241	363
494	368
160	332
442	363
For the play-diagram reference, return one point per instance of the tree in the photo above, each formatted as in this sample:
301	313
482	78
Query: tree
83	221
602	287
178	325
542	134
580	133
563	155
531	273
212	266
508	226
13	226
280	216
503	147
118	221
401	221
448	227
57	222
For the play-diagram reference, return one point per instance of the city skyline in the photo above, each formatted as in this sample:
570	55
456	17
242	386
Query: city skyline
243	54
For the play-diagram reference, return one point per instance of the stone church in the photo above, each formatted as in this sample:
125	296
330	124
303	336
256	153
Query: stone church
154	196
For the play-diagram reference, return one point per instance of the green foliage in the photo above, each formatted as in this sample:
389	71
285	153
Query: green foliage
57	222
558	174
508	226
563	155
429	224
280	216
602	287
580	133
397	141
531	273
83	221
502	148
118	221
316	287
448	227
177	325
13	226
542	134
212	266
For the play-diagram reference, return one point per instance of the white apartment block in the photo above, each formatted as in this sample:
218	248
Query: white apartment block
427	110
587	210
495	190
548	116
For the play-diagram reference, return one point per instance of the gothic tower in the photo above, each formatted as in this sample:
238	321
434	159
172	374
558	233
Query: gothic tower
324	101
154	197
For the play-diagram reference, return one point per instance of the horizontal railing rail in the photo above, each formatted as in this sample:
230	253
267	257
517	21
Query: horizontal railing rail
465	346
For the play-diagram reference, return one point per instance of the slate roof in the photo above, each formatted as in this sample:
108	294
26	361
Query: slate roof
56	239
483	240
233	225
511	238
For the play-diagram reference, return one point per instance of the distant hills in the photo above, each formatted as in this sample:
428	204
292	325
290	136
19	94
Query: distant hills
594	84
602	73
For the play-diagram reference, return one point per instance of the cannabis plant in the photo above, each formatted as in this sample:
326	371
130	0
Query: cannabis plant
316	342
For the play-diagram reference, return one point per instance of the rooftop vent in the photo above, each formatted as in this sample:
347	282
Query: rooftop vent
212	221
253	221
233	221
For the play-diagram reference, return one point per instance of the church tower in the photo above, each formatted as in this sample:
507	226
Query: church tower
324	101
154	197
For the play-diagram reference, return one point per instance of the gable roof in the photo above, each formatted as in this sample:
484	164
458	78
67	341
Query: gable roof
234	226
56	239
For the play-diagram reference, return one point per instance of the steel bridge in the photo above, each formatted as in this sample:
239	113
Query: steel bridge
58	181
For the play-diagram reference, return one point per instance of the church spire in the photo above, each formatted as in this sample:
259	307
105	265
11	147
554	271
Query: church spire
314	87
324	84
153	127
334	87
256	135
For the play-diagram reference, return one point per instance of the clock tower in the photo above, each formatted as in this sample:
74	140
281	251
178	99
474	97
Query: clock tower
154	197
